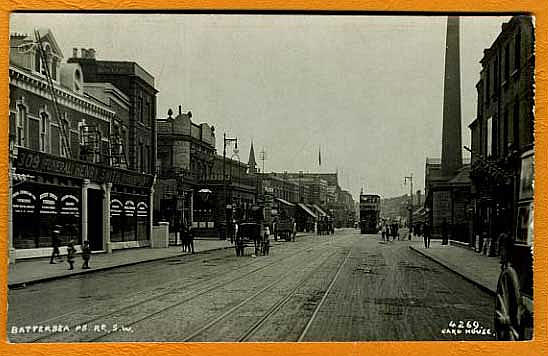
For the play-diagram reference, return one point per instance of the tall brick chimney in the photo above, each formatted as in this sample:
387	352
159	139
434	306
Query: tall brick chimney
451	152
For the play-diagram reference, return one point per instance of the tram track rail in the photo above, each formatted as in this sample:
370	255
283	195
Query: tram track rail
324	297
185	300
273	309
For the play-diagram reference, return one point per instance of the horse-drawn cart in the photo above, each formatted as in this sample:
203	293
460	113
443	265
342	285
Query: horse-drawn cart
285	229
250	235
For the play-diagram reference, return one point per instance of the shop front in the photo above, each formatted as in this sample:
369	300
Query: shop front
106	206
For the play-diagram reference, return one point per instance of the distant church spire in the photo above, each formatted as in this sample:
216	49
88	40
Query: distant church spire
252	164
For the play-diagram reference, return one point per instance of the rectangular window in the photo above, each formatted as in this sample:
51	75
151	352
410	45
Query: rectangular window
141	109
496	84
487	83
147	114
507	61
517	51
505	134
44	126
55	140
33	141
21	125
489	141
515	125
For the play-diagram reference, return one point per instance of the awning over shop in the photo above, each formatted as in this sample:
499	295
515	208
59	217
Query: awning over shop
285	202
320	211
305	208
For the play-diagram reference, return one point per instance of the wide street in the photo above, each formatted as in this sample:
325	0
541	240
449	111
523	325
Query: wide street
342	287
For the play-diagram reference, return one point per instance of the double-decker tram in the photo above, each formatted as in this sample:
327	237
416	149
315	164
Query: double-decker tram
370	209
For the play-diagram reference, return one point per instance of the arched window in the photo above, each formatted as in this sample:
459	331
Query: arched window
44	131
21	125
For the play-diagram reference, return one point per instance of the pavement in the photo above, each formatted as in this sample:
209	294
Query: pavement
479	269
38	270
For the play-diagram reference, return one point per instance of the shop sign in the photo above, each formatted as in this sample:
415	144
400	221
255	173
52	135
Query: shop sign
142	209
24	202
45	163
70	205
129	208
441	206
115	207
48	203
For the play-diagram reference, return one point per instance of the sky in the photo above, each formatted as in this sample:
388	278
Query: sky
365	90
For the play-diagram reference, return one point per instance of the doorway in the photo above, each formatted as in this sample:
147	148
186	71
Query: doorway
95	219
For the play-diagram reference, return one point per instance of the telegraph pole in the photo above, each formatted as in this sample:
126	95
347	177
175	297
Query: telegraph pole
410	207
223	211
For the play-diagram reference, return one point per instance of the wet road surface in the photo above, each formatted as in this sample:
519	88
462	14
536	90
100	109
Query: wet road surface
346	287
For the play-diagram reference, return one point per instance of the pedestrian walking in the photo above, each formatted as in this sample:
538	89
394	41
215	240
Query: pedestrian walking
86	254
266	241
55	242
184	237
236	227
190	235
411	230
294	230
426	234
444	232
70	254
383	231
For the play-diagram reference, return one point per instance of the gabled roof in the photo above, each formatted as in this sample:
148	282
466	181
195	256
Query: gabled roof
46	35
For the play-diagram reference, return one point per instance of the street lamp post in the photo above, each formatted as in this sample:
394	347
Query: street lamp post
223	210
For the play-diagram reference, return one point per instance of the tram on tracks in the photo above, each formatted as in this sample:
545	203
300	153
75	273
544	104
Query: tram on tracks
370	209
513	317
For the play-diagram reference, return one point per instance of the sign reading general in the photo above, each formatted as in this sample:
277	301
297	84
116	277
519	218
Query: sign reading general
45	163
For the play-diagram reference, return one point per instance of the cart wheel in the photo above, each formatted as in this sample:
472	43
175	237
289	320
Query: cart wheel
507	323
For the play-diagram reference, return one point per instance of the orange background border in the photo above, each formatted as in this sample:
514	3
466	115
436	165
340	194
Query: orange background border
538	8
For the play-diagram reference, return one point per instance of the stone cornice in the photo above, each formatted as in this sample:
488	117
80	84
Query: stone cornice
38	85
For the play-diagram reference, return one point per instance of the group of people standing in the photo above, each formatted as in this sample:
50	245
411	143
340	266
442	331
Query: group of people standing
187	238
390	231
71	250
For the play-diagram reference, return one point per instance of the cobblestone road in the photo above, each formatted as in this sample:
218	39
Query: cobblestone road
347	287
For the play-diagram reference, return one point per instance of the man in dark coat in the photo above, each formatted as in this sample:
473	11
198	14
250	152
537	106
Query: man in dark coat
444	232
426	235
55	242
86	254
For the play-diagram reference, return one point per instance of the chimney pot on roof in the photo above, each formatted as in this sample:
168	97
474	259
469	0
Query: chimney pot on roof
180	111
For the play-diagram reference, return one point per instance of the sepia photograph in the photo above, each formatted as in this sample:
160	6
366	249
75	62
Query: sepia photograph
270	177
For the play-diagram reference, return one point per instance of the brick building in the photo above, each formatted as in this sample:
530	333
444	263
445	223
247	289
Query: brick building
186	152
138	86
503	128
61	139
